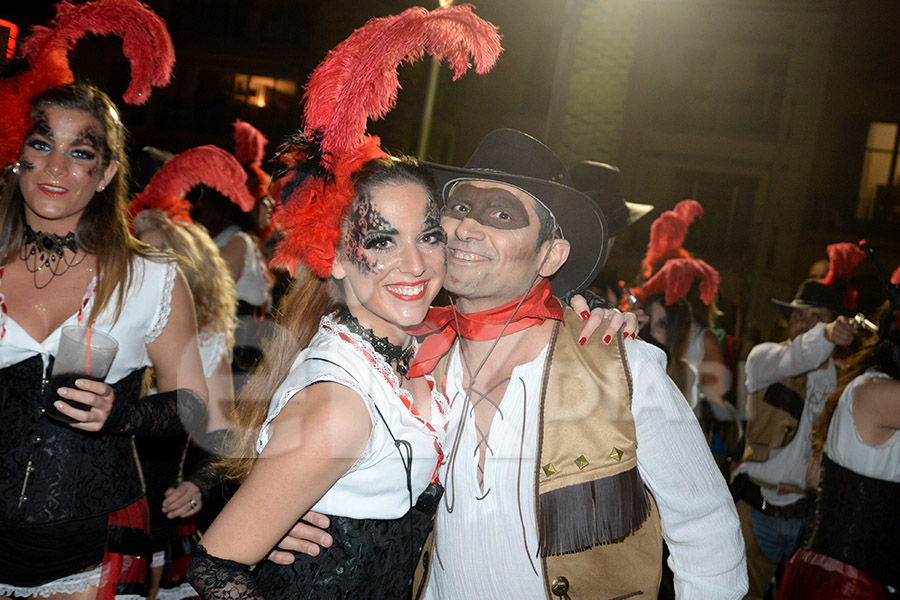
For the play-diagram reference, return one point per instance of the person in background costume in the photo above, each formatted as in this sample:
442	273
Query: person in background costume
161	218
74	520
852	550
788	384
349	432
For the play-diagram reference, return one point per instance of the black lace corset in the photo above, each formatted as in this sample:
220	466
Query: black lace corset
51	472
370	558
857	521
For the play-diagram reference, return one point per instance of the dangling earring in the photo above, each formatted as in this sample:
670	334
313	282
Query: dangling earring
16	168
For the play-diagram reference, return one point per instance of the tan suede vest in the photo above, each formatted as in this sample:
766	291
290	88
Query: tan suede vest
773	417
598	527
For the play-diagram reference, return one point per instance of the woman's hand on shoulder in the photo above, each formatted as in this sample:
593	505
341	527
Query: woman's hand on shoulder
627	323
95	394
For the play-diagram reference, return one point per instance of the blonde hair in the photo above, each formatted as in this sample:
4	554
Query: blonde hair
207	276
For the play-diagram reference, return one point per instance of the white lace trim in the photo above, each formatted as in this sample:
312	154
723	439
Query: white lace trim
177	593
217	349
71	584
165	304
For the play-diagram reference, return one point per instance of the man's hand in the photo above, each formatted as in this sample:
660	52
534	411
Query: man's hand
627	322
840	332
306	537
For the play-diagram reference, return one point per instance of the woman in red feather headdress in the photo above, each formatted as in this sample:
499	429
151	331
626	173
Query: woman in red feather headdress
331	419
73	515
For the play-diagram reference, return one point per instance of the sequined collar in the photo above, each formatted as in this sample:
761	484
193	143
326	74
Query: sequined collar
396	356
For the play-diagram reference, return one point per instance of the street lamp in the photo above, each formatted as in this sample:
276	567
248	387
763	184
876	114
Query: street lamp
428	112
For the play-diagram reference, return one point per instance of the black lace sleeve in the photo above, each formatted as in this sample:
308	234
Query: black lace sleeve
206	474
592	299
218	579
166	413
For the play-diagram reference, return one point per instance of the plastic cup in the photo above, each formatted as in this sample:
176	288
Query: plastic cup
84	353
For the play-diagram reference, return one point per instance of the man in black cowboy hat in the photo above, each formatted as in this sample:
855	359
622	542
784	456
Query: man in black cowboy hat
554	447
788	384
548	493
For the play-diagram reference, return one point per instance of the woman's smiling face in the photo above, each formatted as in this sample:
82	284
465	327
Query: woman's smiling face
62	167
391	259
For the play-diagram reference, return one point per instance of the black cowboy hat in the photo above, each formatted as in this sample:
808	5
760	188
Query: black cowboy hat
603	183
813	294
514	158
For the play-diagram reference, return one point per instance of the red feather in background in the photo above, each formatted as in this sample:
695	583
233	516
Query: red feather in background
677	276
357	81
895	277
207	165
249	149
667	234
145	42
842	259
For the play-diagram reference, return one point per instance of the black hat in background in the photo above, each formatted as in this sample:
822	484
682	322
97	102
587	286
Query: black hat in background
813	294
517	159
603	183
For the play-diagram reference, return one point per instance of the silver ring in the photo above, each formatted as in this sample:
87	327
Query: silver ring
193	504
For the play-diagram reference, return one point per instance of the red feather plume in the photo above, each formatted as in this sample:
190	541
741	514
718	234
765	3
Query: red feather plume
667	234
207	165
358	78
145	42
842	259
676	278
895	276
249	149
355	82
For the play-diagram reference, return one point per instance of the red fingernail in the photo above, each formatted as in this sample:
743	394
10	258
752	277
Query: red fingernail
585	315
633	335
582	341
606	339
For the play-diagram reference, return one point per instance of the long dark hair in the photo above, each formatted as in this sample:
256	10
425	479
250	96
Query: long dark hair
103	228
881	352
300	310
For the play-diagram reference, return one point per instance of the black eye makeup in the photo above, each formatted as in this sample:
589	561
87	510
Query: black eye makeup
367	230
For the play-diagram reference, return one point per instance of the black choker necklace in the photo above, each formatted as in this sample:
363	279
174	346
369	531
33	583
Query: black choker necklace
46	252
396	356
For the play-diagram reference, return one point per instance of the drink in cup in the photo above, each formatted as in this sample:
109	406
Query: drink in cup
83	353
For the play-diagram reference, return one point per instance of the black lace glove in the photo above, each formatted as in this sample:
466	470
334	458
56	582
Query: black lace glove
216	578
207	475
592	299
156	415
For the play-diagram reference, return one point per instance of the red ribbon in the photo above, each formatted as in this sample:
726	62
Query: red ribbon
441	326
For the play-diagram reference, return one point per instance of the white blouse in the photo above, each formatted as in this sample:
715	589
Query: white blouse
845	446
252	286
375	486
145	312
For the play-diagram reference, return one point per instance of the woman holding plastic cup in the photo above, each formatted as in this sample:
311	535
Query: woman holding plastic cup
73	517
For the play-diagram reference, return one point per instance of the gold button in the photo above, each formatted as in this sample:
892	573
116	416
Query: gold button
559	586
549	469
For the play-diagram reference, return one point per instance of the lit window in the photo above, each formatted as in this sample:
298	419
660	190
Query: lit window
260	91
880	177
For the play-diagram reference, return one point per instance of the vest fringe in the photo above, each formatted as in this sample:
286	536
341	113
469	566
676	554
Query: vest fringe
577	517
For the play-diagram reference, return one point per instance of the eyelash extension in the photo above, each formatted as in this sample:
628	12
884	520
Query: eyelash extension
437	232
370	243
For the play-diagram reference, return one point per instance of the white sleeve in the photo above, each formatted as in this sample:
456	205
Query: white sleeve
697	514
770	363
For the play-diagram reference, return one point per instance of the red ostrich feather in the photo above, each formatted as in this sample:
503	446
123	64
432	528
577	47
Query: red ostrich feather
207	165
667	234
249	149
895	276
358	78
677	276
145	42
842	259
357	81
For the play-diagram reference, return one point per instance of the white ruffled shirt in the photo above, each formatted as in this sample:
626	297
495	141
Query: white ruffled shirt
375	486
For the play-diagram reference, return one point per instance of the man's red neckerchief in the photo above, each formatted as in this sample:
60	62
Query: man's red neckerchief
441	325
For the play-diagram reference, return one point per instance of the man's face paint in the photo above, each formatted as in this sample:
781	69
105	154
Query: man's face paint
491	207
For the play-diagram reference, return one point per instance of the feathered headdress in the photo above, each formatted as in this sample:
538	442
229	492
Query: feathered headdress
249	149
891	285
842	259
677	276
45	54
207	165
358	81
667	235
